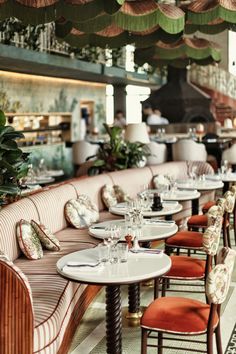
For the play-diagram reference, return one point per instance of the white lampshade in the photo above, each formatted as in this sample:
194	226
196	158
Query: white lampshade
137	133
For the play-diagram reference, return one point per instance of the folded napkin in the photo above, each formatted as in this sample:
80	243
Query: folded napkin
149	251
83	268
159	222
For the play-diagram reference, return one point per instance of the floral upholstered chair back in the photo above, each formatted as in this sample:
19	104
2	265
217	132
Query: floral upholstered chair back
233	189
226	256
211	238
218	280
215	213
229	201
217	284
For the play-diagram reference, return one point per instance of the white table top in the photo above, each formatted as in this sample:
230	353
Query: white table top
139	267
179	195
168	209
206	185
151	231
227	177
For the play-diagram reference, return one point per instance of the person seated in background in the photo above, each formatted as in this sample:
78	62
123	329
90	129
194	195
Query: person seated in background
154	116
119	120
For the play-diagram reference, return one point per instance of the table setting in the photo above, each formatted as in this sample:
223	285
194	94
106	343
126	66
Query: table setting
137	267
168	208
40	175
151	229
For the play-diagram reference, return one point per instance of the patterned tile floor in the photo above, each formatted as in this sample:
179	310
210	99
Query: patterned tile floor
90	336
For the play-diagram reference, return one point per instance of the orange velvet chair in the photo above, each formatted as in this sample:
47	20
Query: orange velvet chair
197	222
189	269
192	240
179	316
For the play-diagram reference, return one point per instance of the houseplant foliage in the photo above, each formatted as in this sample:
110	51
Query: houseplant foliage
117	154
13	162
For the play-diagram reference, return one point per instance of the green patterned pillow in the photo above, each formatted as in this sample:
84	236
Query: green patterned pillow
48	240
28	241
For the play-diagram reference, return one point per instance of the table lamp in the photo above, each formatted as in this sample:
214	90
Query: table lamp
137	133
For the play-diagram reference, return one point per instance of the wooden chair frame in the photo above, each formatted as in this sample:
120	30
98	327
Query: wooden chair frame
210	331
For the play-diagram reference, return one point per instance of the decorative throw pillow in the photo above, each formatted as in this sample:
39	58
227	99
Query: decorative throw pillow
111	195
28	241
161	180
48	240
81	212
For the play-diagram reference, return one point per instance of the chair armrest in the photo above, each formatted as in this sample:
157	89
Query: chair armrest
16	311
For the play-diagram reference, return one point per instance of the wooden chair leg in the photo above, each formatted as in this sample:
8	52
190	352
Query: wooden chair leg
163	288
160	343
209	342
225	243
218	340
228	236
156	287
144	341
234	221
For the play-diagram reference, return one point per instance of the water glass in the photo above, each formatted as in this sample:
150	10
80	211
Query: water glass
122	249
114	254
103	253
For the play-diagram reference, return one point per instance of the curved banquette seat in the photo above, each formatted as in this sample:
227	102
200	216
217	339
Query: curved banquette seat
40	310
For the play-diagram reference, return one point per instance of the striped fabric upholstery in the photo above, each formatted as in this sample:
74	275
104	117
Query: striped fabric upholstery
71	234
178	169
50	205
9	217
47	264
91	186
132	180
54	303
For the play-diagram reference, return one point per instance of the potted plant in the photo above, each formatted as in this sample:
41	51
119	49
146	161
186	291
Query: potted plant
117	154
13	162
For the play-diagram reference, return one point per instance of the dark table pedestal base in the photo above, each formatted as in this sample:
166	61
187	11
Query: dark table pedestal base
195	206
113	320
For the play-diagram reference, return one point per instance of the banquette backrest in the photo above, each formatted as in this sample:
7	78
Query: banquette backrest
47	206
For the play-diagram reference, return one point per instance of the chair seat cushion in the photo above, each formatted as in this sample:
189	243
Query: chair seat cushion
207	206
188	239
186	267
197	221
177	315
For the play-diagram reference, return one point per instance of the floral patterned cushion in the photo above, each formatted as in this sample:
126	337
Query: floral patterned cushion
229	201
215	213
161	180
28	240
81	212
217	285
111	195
48	240
211	240
227	256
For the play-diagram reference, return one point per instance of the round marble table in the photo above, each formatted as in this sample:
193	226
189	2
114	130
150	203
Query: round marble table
226	178
152	229
199	185
139	267
181	195
169	209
